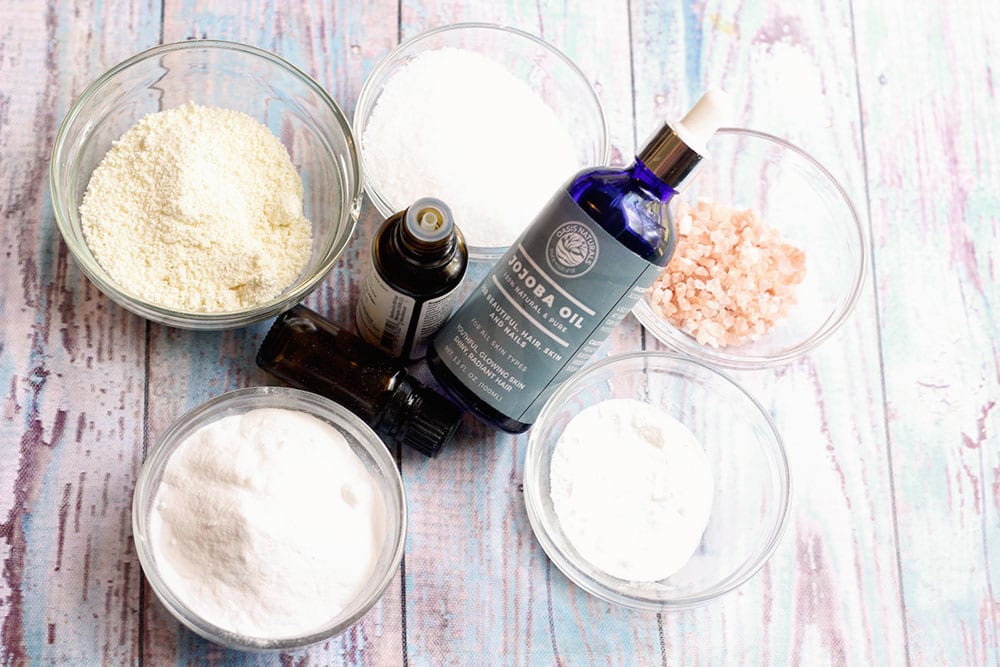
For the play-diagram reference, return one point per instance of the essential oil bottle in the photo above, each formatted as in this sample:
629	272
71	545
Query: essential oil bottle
309	352
418	260
575	272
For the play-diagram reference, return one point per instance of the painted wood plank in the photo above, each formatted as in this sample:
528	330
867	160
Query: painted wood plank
830	594
337	44
929	87
71	364
479	586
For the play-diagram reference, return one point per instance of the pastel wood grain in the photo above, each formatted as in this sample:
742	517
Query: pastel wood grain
891	553
932	138
71	364
830	594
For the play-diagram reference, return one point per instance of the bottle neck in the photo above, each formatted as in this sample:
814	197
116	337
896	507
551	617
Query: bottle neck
669	158
396	405
423	251
638	171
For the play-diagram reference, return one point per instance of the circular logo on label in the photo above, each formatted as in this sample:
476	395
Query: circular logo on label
571	250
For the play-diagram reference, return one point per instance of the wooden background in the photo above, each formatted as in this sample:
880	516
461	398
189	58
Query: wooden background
892	555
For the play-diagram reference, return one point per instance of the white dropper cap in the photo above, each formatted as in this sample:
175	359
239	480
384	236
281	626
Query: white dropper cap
675	150
712	111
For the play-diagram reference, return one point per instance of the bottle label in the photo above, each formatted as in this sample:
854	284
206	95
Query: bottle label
396	322
384	314
433	313
543	310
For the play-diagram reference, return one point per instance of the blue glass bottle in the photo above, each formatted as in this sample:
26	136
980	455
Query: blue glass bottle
575	272
629	204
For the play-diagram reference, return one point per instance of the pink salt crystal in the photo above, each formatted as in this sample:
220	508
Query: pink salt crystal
731	277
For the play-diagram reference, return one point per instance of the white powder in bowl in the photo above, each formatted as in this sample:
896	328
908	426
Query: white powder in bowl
266	524
632	489
198	209
456	125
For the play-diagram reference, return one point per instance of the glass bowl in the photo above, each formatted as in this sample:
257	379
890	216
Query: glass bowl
286	100
547	71
750	470
363	442
796	195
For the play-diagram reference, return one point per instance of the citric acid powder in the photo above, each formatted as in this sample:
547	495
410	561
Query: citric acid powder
198	209
632	489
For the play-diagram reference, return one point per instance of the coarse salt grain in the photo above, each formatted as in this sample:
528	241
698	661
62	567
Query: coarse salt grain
456	125
731	277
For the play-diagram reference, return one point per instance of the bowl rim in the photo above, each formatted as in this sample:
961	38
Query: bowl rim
777	454
193	319
364	100
679	341
159	456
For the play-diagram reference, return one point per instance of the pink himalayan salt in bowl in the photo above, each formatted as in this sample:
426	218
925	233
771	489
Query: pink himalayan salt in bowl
770	259
731	278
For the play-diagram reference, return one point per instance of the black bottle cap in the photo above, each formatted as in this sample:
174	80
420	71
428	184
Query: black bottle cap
432	423
418	417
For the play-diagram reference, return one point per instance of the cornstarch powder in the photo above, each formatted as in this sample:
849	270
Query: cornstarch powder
267	524
632	489
198	209
456	125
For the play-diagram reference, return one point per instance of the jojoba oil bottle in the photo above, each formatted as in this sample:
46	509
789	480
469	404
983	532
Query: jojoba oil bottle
575	272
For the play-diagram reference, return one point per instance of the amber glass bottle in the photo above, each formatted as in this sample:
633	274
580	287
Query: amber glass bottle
418	261
310	352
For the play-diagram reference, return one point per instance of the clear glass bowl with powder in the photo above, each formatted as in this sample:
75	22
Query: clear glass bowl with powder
751	494
497	176
293	106
796	196
363	442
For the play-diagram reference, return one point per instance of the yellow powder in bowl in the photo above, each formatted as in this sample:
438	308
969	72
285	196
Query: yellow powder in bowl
198	209
731	277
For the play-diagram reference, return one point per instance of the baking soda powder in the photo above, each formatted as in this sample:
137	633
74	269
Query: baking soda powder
632	489
267	524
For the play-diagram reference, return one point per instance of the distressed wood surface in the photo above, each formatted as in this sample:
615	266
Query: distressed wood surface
934	185
831	592
891	553
72	366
